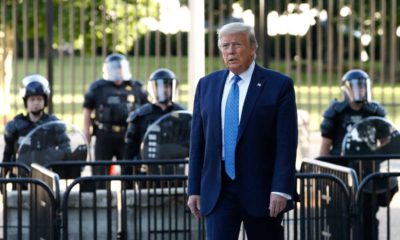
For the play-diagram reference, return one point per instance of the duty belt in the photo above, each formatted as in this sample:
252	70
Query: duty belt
110	127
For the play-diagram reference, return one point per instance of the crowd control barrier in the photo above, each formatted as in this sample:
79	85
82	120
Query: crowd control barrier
328	204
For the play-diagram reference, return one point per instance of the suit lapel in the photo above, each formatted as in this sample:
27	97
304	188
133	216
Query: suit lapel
216	101
256	86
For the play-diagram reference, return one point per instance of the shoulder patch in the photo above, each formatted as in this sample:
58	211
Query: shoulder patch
141	111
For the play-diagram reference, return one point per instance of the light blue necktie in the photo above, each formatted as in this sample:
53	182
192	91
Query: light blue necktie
231	126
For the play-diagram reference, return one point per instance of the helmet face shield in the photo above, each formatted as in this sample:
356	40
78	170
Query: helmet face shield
358	90
36	78
117	70
35	85
162	90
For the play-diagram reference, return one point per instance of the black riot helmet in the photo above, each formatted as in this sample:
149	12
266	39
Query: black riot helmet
116	67
35	85
356	86
162	85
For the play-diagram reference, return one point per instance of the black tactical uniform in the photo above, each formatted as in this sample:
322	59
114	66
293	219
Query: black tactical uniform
51	143
52	140
162	83
139	121
21	125
112	98
112	104
339	119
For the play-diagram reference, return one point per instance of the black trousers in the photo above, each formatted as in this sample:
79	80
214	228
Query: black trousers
370	224
108	145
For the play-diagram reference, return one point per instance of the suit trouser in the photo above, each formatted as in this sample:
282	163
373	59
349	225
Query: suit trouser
224	222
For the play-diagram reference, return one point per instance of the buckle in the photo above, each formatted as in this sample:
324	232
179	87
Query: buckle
116	128
111	128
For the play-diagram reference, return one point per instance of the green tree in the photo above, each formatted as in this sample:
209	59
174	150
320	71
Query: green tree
111	25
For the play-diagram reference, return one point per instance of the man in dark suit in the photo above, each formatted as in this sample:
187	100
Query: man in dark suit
243	143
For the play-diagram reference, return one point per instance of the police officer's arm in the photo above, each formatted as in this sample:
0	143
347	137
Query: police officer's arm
89	104
140	93
132	141
134	133
10	137
87	123
327	129
326	145
63	141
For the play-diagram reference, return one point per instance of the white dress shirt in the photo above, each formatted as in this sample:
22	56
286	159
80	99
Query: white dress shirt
243	85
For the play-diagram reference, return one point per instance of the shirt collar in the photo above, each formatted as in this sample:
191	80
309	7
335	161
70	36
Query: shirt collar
246	75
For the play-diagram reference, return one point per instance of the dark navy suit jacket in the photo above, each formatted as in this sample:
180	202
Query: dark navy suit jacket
266	147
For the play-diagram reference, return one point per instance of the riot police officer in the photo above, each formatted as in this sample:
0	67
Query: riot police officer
339	119
35	94
341	116
111	98
162	86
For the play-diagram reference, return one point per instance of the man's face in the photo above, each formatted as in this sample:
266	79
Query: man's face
362	90
237	52
118	75
359	90
167	90
35	103
164	92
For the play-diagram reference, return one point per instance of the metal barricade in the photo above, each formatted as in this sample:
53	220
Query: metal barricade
13	169
333	227
324	204
375	192
373	170
175	164
146	206
131	207
39	198
308	221
25	213
347	175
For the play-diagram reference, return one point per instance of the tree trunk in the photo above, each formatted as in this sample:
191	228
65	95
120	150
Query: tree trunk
6	61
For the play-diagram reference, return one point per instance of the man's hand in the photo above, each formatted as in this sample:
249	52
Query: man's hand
194	205
276	204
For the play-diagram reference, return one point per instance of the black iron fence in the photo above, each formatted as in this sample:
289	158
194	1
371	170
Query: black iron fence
314	41
372	197
145	210
324	203
154	206
14	168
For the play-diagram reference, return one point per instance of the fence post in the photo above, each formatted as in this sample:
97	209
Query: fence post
49	48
